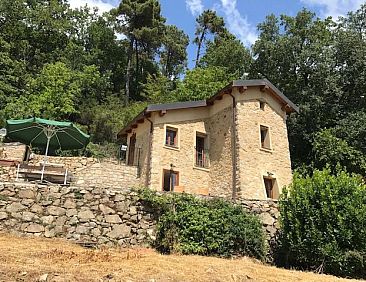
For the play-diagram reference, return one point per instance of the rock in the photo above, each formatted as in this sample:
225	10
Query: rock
43	278
15	207
106	210
26	194
34	228
266	219
96	232
133	210
86	215
52	210
60	221
49	233
271	230
36	209
120	231
3	215
27	216
113	218
73	221
122	207
82	230
71	212
69	204
46	203
47	219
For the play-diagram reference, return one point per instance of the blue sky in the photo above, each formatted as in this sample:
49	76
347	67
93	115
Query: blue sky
241	16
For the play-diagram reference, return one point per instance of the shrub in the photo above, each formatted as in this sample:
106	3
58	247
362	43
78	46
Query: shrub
189	225
323	221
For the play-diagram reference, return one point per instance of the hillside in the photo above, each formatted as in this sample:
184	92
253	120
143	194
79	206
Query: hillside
29	259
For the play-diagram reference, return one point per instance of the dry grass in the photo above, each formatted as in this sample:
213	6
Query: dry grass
26	259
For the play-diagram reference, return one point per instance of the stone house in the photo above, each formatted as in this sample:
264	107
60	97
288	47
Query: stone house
233	144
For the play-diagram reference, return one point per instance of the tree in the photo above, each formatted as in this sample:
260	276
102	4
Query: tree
332	151
202	83
300	59
142	23
323	219
206	23
159	89
228	52
173	56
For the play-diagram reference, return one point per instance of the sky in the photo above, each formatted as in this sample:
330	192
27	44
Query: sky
241	16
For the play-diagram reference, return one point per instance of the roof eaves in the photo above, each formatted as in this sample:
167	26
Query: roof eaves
123	131
266	82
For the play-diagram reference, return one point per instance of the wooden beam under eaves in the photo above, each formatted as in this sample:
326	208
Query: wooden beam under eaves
242	89
264	88
162	113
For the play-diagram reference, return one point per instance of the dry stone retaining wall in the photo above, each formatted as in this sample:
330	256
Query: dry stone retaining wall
87	215
92	215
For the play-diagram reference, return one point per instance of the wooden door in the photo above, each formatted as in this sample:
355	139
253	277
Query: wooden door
131	150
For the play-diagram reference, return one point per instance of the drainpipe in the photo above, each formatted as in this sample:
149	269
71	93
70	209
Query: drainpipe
148	166
235	153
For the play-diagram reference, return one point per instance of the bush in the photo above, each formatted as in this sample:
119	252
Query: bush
189	225
323	221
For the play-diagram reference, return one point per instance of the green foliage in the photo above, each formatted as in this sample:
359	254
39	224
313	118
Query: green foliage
324	224
173	57
228	52
201	83
159	89
190	225
331	150
207	23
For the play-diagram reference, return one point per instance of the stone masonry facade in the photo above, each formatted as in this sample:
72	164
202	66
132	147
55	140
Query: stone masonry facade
93	215
238	163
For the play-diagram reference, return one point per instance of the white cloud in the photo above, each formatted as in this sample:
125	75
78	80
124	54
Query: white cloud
238	24
335	8
195	6
102	6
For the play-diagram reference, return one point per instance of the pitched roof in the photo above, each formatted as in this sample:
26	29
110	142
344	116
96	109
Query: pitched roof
263	83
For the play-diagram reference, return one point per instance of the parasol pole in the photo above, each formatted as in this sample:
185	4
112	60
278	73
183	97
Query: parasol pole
49	133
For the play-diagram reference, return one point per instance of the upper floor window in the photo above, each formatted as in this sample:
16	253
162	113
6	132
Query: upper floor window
171	137
201	152
265	139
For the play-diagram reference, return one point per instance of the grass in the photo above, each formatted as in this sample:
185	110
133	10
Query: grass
26	259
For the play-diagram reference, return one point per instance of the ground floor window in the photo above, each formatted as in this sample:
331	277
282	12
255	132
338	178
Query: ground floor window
170	179
271	186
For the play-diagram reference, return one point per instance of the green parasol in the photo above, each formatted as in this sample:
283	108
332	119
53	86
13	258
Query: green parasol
42	133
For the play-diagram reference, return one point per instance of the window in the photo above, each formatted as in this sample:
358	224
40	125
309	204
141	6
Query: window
171	137
265	141
201	153
262	105
170	179
269	185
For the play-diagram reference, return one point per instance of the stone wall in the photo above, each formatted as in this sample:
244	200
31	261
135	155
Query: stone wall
85	171
12	151
85	215
73	164
93	215
107	174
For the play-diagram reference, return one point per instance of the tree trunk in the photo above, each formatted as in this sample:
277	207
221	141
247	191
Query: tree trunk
128	73
199	46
